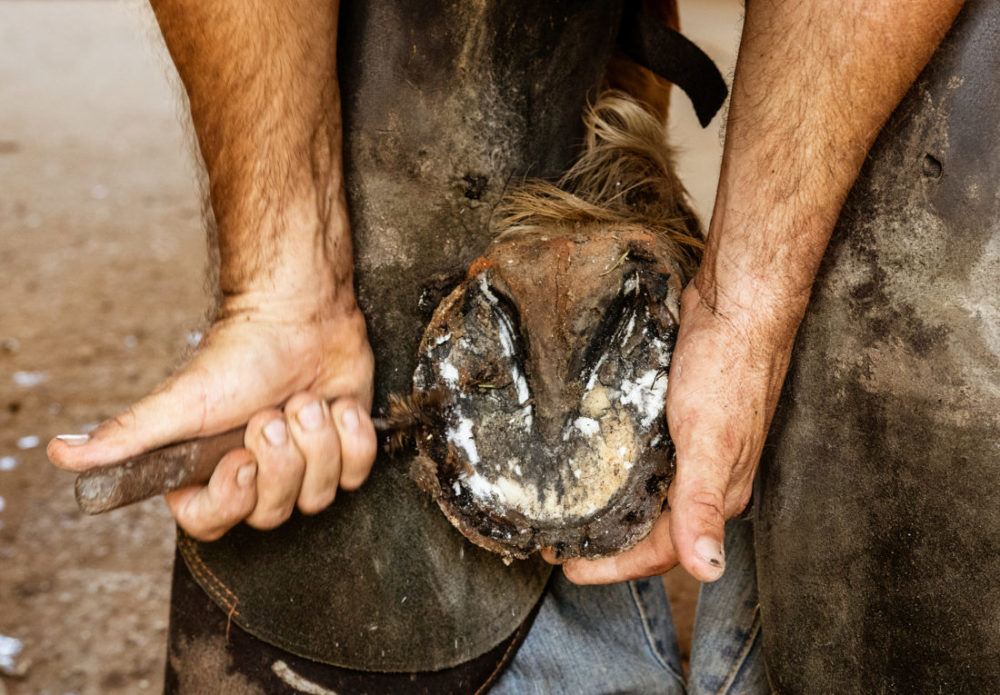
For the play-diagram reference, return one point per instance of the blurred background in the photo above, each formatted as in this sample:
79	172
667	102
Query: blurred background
102	265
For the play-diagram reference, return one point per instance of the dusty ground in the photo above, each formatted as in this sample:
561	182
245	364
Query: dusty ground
102	259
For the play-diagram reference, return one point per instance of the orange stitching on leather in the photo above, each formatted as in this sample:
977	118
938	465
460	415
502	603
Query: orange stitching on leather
201	571
229	620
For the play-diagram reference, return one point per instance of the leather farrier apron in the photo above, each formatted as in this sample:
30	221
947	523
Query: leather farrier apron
878	525
445	104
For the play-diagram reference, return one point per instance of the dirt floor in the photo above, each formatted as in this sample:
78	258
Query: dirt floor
102	257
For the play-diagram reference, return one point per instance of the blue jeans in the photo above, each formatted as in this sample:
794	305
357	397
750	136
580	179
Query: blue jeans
597	640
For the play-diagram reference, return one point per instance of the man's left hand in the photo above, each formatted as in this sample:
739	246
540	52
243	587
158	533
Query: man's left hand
725	379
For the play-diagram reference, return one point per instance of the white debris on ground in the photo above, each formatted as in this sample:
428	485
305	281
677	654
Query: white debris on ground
3	504
10	649
27	380
7	463
193	338
28	442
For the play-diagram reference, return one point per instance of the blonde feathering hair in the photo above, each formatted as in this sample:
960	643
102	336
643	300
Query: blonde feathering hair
623	180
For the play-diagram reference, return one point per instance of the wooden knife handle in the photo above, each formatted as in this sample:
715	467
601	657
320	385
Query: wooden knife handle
154	473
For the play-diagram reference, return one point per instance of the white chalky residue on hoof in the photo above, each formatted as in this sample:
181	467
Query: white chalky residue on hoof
527	419
593	375
516	495
647	394
462	438
522	386
514	464
628	329
449	373
456	488
485	288
479	486
443	339
632	283
505	333
587	426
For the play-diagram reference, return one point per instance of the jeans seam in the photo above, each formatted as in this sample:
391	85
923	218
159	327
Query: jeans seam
744	652
647	631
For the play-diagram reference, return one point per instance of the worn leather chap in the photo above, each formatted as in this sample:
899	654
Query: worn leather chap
878	534
445	104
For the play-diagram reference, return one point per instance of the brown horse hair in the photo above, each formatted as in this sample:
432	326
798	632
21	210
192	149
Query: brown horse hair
623	180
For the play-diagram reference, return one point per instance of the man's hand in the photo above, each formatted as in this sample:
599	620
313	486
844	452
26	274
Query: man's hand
724	383
268	352
814	83
261	81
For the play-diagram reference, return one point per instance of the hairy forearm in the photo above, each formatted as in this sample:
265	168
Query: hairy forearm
814	83
261	82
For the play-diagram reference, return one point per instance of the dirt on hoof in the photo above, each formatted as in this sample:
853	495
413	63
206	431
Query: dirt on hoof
554	356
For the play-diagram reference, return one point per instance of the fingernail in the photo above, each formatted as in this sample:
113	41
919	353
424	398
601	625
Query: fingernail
275	432
74	439
246	474
710	550
350	419
311	417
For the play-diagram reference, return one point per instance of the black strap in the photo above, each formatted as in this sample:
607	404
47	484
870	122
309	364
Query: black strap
659	48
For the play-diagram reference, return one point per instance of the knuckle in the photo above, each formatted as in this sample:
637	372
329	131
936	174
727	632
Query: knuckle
737	504
708	503
315	503
653	568
209	535
261	418
284	470
300	400
265	520
199	530
355	478
360	453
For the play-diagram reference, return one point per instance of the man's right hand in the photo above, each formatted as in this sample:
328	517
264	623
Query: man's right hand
261	352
